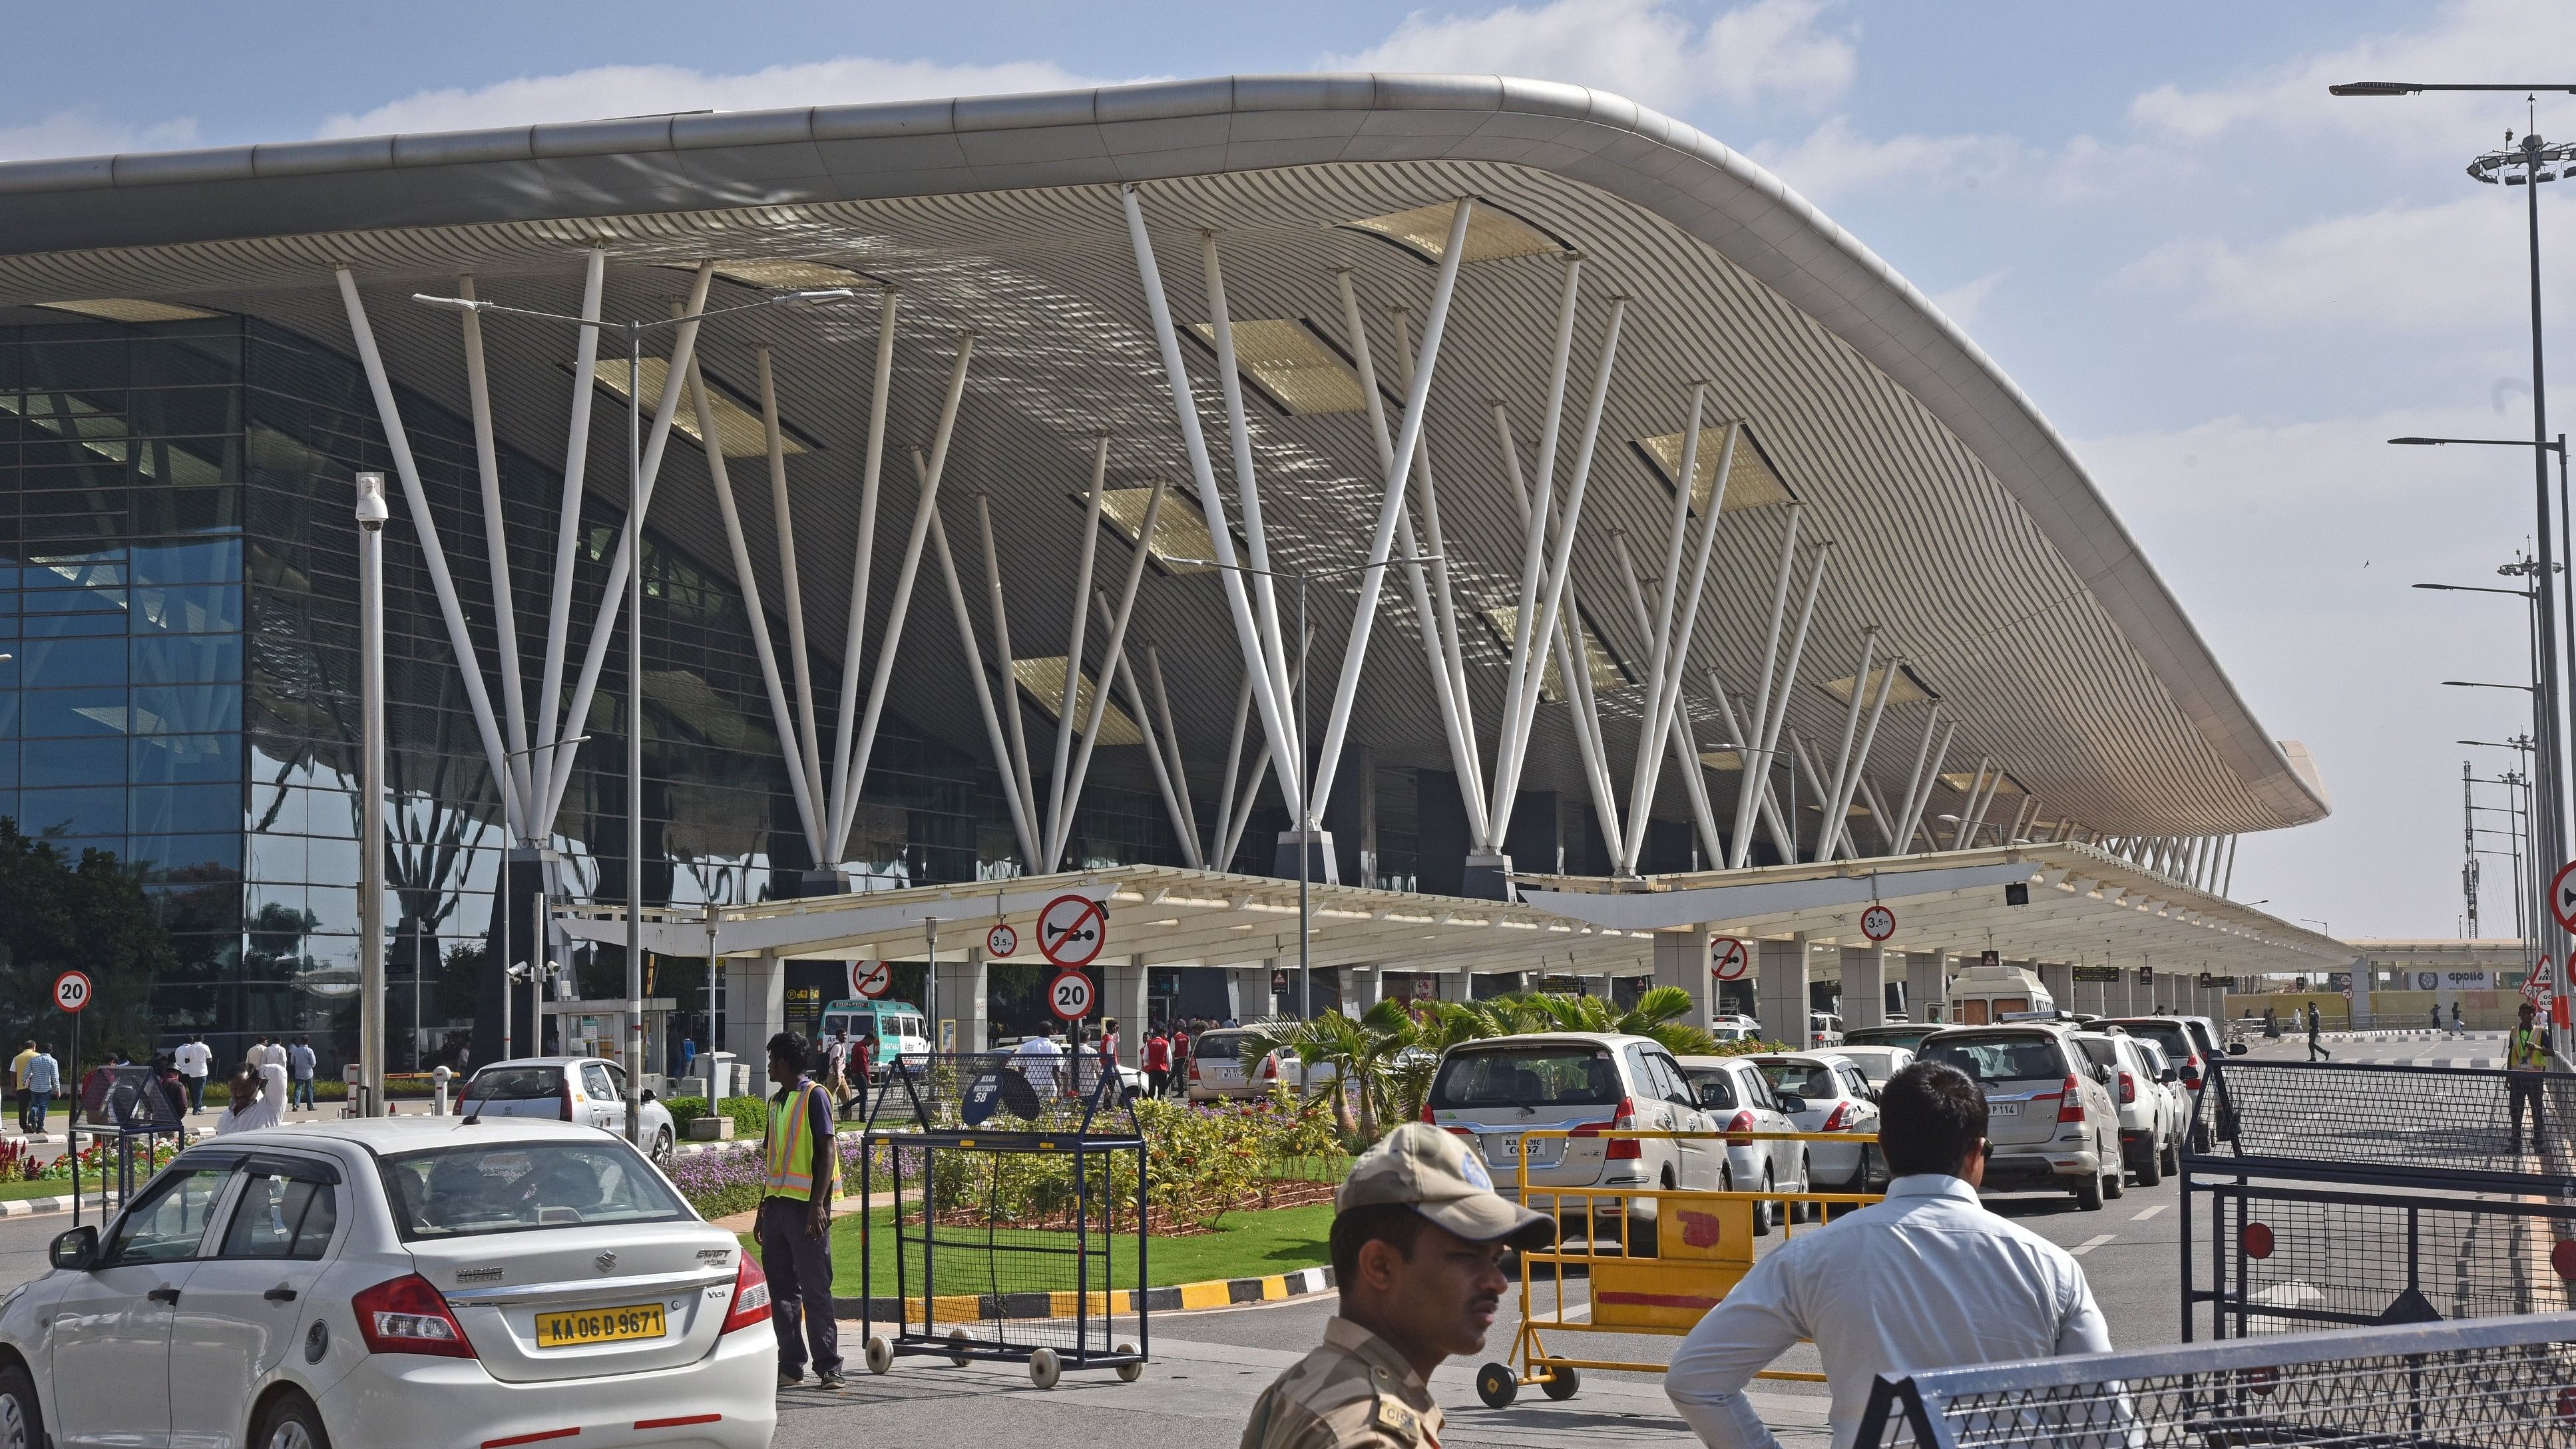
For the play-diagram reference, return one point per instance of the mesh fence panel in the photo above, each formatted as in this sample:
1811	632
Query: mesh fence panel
2504	1384
2454	1127
960	1090
2287	1259
999	1248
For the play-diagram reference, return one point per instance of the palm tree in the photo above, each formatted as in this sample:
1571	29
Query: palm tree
1329	1040
1654	1016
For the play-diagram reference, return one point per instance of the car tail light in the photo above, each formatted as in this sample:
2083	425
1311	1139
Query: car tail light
1270	1068
750	1297
2070	1103
1836	1119
1194	1069
1621	1149
1426	1114
408	1315
1742	1122
2128	1088
2191	1072
563	1097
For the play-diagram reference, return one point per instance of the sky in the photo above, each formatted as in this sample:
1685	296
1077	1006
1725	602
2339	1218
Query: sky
2223	286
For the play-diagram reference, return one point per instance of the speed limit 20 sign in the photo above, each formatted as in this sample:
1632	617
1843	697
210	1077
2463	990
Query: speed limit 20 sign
71	991
1069	996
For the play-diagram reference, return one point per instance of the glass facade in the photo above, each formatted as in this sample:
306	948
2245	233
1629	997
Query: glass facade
178	594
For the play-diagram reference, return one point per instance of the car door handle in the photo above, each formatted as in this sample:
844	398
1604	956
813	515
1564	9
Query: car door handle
164	1295
279	1294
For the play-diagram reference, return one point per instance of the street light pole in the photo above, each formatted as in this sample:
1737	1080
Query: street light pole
372	513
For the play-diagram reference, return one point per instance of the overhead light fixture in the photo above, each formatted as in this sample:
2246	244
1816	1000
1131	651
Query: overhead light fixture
130	309
1962	780
738	426
1180	544
1729	760
1292	365
1043	681
1907	689
1751	483
1605	668
785	274
1493	233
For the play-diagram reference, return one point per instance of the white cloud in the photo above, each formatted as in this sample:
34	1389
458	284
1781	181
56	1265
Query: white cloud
1836	160
1644	49
2466	40
83	132
637	90
2424	269
1962	303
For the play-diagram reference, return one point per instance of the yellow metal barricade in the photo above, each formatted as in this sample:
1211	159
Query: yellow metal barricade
1703	1248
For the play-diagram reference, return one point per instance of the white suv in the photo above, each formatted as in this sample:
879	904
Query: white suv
401	1280
2146	1113
1493	1091
2050	1116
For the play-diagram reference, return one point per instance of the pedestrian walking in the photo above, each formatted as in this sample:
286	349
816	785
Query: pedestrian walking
799	1169
2316	1035
299	1072
689	1055
274	1052
836	1065
194	1060
2526	1059
18	1082
1971	1287
2437	1018
1417	1244
44	1079
1158	1064
2457	1028
1181	1059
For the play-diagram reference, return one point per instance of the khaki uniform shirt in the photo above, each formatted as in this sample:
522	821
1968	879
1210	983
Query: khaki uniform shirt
1355	1392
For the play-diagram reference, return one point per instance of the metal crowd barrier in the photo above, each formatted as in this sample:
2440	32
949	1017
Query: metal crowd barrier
1703	1246
2497	1383
2320	1194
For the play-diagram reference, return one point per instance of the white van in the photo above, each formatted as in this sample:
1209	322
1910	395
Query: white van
898	1026
1986	995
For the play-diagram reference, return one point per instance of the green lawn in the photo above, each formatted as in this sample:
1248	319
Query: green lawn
1246	1245
55	1187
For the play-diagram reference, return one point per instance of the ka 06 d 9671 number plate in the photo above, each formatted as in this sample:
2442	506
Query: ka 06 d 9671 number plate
599	1325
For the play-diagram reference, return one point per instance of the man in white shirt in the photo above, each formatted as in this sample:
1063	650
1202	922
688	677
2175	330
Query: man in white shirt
1038	1057
1927	1279
194	1061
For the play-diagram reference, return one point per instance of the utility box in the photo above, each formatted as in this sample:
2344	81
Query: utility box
713	1127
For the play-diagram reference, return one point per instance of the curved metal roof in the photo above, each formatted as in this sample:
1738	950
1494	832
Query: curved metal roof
1967	529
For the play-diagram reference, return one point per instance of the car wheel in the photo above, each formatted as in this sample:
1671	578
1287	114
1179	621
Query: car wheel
2150	1170
2088	1193
1763	1209
291	1423
2115	1183
22	1420
2173	1155
662	1147
1805	1211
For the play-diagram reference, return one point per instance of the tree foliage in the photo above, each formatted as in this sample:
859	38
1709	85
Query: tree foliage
93	915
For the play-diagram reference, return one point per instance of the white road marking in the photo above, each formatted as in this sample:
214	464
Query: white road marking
2142	1214
2089	1244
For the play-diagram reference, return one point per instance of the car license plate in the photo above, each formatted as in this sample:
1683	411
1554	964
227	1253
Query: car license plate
2003	1109
599	1325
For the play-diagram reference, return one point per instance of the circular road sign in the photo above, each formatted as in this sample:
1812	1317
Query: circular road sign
1002	940
1878	923
2562	895
1069	996
1071	931
1728	958
71	990
871	978
1422	986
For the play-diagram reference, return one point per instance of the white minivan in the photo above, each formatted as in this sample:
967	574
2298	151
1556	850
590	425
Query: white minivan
1493	1091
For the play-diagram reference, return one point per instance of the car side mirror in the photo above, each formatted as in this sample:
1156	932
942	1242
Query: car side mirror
2236	1049
1793	1105
2169	1075
2102	1075
75	1251
648	1095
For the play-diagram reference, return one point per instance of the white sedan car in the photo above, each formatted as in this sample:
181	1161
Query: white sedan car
585	1090
414	1281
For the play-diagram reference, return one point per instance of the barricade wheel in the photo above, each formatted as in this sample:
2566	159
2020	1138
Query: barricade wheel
1561	1382
879	1353
1497	1385
1129	1373
1045	1368
957	1340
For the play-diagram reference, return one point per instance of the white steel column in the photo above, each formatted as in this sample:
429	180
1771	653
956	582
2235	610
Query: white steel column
398	442
496	547
1247	489
1672	644
1088	557
1417	396
755	616
1007	761
1191	854
585	367
1542	510
891	642
1831	828
1770	710
1676	728
792	594
1275	722
863	555
1016	759
1062	829
1838	812
1122	670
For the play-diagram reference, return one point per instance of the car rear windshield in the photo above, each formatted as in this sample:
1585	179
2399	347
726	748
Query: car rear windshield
1798	1079
2100	1050
1222	1046
1531	1076
1908	1037
514	1084
1714	1087
1999	1058
2164	1034
510	1187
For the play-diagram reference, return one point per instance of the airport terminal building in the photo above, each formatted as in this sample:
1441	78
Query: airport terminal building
1069	494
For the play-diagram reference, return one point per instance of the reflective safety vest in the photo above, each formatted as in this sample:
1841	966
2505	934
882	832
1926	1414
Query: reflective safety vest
787	1160
2526	1052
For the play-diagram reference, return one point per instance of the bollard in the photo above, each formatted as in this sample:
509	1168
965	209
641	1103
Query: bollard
440	1077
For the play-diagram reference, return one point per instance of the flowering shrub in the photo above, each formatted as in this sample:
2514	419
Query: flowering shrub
100	1158
16	1162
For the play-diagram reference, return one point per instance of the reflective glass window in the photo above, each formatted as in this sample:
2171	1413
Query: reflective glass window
75	762
187	609
93	811
186	708
187	658
184	809
54	663
68	626
184	759
73	712
192	857
210	561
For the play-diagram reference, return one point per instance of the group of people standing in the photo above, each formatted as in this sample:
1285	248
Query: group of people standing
1166	1057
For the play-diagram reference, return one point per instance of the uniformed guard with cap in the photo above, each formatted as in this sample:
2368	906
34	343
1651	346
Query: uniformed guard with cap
1418	1239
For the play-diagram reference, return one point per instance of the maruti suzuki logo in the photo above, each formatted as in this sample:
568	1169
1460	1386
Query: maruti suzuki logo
605	1261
